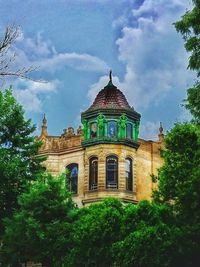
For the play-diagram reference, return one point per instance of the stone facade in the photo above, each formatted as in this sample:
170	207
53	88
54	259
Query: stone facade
66	149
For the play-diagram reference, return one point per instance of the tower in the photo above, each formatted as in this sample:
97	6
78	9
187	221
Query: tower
111	129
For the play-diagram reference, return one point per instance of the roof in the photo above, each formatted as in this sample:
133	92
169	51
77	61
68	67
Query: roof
110	97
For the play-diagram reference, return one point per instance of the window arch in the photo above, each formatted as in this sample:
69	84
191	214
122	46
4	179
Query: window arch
72	177
112	172
93	175
129	174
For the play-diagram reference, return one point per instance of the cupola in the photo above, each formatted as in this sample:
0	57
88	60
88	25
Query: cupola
110	119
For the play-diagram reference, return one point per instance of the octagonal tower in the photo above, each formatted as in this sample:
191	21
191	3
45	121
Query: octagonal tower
111	128
110	119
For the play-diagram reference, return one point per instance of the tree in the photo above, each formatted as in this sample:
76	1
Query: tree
19	165
96	228
148	237
6	41
188	26
39	230
179	187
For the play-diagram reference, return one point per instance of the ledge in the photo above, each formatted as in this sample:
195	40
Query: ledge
99	195
108	111
107	140
99	199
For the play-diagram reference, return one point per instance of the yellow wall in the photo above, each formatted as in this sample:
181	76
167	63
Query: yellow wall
146	161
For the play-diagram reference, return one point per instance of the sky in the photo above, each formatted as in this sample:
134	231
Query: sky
74	43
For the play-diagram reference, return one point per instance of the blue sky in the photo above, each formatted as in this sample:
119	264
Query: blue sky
74	43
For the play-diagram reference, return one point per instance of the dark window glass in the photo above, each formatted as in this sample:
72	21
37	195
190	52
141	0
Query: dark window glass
72	177
112	172
129	130
112	129
93	130
93	177
129	178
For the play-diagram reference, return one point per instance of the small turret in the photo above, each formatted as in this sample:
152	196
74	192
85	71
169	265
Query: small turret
161	135
44	132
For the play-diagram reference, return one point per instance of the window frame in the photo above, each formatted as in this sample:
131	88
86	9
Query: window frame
129	123
93	181
112	170
111	121
90	127
129	174
72	181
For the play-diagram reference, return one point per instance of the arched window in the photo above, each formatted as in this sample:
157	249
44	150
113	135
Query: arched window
93	177
129	130
112	172
72	177
93	130
129	175
112	129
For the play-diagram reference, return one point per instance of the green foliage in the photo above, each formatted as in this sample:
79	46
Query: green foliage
189	27
145	228
94	232
179	181
18	148
193	102
179	187
151	246
39	230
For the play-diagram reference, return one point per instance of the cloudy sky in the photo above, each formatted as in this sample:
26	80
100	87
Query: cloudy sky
74	43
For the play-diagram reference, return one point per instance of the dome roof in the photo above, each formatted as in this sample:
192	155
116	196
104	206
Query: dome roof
110	97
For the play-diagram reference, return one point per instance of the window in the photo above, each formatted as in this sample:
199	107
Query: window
93	177
129	130
129	178
112	172
72	177
112	129
93	130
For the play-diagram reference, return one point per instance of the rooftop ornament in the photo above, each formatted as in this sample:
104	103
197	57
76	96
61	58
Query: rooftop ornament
161	135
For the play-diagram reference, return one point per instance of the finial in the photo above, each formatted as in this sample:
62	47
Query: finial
161	135
110	75
44	121
161	128
110	84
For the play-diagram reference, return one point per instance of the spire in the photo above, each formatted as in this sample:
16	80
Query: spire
110	76
44	127
44	121
110	84
161	135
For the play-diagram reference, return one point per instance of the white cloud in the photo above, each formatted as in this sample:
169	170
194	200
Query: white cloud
28	93
153	53
149	130
84	62
154	57
38	46
156	61
43	55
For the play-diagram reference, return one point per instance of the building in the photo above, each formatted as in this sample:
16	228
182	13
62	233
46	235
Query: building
105	158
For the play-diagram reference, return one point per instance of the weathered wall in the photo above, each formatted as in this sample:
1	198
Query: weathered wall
146	161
